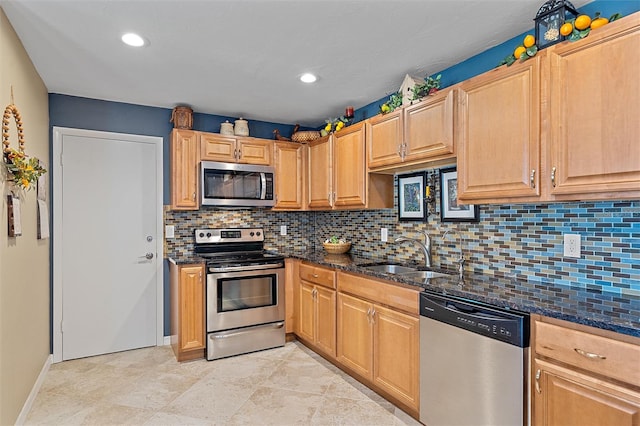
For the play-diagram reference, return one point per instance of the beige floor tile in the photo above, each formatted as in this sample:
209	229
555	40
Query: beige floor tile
301	376
346	411
153	390
162	418
269	406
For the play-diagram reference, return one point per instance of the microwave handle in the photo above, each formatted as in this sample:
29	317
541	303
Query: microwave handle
263	179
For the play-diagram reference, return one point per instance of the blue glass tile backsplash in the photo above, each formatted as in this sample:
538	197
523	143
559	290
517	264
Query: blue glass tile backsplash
521	241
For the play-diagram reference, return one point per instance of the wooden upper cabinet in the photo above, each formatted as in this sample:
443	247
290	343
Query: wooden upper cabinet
184	170
290	179
349	185
385	139
594	114
230	149
417	134
498	123
428	128
320	172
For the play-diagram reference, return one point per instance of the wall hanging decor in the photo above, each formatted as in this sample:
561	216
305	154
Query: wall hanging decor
450	210
182	117
22	171
411	197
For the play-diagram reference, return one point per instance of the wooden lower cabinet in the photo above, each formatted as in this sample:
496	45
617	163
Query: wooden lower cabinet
583	376
317	317
569	398
188	332
381	345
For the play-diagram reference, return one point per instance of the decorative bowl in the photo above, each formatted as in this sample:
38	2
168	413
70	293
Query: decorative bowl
338	248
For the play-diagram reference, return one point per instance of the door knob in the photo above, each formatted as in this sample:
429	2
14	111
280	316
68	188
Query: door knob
148	256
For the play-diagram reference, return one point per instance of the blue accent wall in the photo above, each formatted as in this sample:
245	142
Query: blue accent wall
490	58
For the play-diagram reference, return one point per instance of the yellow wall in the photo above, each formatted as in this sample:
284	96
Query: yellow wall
24	260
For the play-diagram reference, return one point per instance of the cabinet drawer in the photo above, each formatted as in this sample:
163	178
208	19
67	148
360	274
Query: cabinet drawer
394	296
602	355
318	275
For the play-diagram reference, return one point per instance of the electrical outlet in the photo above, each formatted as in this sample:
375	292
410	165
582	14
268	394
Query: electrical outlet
283	229
572	245
169	231
383	235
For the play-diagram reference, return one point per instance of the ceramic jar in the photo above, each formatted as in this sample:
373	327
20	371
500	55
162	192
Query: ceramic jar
226	128
241	127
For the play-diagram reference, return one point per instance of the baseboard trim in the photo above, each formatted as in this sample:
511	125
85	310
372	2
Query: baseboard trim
22	417
167	340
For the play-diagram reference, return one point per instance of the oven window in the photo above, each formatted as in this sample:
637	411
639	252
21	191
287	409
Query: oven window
235	294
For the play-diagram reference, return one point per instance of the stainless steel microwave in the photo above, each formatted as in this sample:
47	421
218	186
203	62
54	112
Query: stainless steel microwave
236	185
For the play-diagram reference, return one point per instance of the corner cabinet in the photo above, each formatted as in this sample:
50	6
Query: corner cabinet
188	332
288	160
594	107
184	170
581	378
232	149
379	336
498	119
417	134
338	177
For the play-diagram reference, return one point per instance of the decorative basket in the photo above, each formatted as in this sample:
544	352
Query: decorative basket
338	248
305	136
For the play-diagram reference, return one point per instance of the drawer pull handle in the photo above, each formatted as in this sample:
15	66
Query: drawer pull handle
314	275
538	381
589	354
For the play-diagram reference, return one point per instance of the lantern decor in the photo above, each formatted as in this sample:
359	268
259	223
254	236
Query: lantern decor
549	19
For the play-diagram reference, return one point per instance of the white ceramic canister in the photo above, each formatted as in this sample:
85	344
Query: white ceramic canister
241	127
226	128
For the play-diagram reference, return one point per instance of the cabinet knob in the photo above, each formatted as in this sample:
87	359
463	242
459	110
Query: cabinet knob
532	178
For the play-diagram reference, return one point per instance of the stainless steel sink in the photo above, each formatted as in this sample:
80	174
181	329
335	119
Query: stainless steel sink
389	268
424	275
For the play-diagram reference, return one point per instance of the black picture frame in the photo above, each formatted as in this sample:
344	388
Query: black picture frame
411	197
450	210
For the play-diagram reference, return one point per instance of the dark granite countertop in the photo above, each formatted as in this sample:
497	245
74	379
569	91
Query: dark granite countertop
600	309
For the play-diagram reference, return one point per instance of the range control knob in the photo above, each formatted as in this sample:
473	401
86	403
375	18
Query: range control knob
208	234
251	233
201	235
258	233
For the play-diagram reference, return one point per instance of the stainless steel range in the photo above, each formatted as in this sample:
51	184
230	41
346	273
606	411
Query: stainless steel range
245	291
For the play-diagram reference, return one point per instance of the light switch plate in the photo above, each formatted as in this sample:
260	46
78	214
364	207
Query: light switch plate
572	245
283	229
169	231
383	235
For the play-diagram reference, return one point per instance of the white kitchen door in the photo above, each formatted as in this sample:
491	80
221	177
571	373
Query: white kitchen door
107	201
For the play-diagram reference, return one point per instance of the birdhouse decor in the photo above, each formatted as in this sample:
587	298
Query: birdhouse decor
406	89
549	19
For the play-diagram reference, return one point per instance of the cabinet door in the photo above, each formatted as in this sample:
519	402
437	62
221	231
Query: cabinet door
384	139
214	147
255	151
326	320
192	308
594	110
569	398
320	171
289	175
355	336
350	167
396	353
184	170
306	318
499	134
428	131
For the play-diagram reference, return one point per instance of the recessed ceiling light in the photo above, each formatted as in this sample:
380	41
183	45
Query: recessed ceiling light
308	78
133	39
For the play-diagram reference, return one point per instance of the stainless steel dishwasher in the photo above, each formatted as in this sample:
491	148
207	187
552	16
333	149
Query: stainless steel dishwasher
473	363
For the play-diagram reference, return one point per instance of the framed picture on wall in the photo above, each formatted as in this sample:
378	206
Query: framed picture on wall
450	210
411	204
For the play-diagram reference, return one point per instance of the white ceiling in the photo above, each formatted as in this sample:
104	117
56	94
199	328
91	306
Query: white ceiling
244	57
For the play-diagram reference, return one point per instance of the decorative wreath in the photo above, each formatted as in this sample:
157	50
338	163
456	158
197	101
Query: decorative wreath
24	171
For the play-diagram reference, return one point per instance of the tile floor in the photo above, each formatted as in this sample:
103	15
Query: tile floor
282	386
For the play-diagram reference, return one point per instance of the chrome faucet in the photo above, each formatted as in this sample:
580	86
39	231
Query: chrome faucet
425	247
461	260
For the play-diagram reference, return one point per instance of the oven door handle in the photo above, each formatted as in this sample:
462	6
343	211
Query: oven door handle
245	268
275	325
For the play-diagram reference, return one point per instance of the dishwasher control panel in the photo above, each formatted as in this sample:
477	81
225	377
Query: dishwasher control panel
506	325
